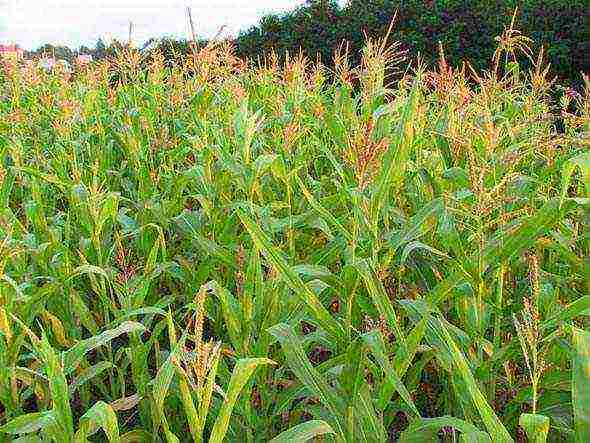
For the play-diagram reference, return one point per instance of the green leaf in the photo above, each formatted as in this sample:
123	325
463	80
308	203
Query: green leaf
263	162
303	432
58	387
27	423
79	306
505	247
136	436
327	215
426	429
380	299
207	246
73	356
100	415
392	380
475	437
494	426
87	374
536	427
49	178
393	166
404	356
108	211
414	227
89	270
571	311
308	375
241	374
163	379
582	162
581	384
416	245
230	312
353	372
170	437
28	439
370	423
321	314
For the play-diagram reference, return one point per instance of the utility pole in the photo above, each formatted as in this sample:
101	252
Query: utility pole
130	32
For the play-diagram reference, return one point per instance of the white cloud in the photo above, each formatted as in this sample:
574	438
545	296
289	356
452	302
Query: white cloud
31	23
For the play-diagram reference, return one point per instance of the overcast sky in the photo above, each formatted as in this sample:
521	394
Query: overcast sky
31	23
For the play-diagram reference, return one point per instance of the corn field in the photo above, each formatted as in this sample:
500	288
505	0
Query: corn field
217	250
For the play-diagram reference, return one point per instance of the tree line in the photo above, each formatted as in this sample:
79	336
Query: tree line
464	29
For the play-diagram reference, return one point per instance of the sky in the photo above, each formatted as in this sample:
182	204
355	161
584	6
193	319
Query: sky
31	23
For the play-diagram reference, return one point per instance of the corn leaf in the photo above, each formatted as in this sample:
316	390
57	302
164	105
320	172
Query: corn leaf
100	415
27	423
263	243
535	426
581	384
582	162
73	356
308	375
241	374
303	432
426	429
495	428
392	380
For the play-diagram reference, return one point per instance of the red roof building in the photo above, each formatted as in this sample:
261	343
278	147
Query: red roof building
11	51
83	59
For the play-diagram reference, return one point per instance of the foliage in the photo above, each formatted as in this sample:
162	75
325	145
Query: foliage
465	30
212	251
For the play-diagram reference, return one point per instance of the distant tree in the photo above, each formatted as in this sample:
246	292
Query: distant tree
84	50
466	30
100	49
49	50
312	27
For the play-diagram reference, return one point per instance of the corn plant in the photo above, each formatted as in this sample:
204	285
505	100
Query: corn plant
222	250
